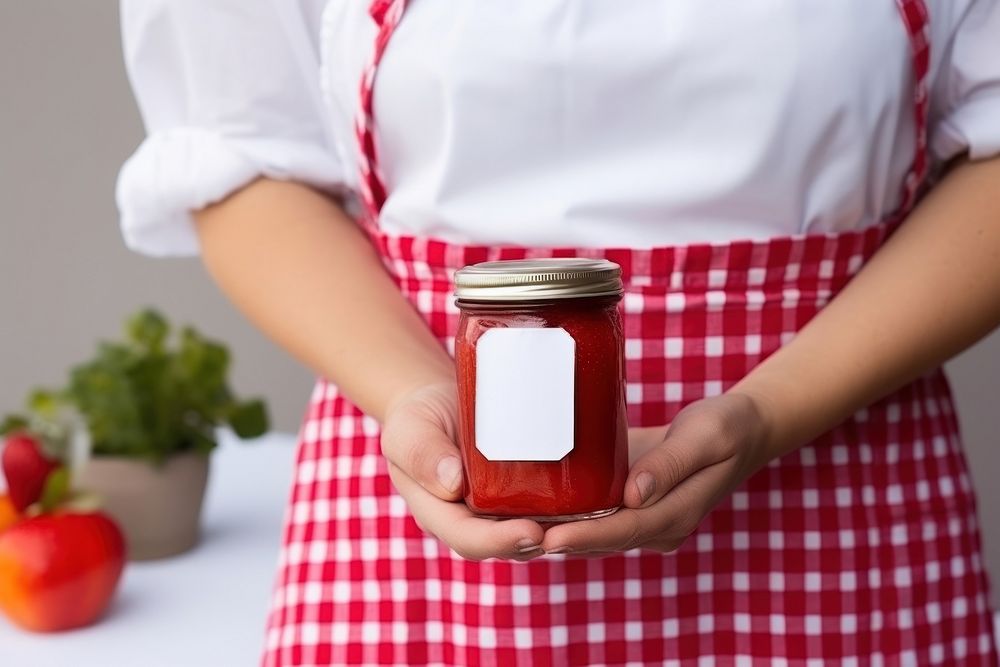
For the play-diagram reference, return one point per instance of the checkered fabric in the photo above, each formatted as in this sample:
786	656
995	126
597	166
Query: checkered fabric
861	548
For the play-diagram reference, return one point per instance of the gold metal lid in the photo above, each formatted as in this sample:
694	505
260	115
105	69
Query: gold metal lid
538	279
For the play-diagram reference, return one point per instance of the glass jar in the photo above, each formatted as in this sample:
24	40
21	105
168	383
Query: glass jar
541	382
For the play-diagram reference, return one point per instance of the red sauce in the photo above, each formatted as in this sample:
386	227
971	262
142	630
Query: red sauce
590	479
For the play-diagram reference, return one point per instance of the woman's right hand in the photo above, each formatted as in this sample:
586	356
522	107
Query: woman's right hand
418	440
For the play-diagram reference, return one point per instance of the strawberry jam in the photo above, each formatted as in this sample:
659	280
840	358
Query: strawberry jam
541	381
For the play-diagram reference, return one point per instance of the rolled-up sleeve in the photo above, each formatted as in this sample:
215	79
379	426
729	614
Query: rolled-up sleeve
229	92
967	88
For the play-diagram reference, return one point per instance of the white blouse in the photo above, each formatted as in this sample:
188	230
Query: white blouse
554	122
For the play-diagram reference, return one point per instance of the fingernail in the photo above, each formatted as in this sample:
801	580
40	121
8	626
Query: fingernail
449	473
526	545
559	550
644	483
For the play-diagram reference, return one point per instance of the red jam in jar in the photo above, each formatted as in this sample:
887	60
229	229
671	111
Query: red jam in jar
541	383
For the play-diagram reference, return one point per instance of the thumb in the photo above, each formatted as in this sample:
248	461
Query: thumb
664	466
421	447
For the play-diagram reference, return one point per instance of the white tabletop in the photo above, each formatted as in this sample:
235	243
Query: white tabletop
206	607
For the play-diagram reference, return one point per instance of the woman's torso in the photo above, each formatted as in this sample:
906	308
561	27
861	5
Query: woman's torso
592	123
862	544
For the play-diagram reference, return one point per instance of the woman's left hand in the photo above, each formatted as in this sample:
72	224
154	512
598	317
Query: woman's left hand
678	474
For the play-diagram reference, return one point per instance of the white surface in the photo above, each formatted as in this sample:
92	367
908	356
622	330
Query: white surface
203	609
567	123
524	394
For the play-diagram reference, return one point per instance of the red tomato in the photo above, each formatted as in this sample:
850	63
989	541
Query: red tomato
59	571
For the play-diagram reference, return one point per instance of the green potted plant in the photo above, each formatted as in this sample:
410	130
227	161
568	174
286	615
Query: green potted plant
151	405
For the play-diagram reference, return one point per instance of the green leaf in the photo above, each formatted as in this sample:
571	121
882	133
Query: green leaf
44	403
249	419
203	444
103	394
147	329
56	488
202	365
13	423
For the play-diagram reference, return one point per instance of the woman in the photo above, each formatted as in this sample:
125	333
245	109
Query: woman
797	493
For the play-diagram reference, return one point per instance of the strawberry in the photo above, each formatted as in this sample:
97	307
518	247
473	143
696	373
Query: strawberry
26	468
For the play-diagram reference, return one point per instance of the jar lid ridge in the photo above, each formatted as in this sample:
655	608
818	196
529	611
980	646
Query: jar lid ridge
538	279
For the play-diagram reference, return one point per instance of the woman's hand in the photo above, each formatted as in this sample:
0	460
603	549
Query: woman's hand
678	474
418	440
307	275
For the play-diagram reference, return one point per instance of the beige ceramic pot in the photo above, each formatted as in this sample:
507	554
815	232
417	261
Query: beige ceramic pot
158	506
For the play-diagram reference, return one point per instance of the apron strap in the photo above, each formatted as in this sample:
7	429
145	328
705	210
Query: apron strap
388	13
917	23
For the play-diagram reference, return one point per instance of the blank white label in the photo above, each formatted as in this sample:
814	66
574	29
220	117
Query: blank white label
524	394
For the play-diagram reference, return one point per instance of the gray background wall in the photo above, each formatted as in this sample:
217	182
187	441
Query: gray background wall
67	121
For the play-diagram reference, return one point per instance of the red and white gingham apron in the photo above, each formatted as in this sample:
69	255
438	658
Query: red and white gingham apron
861	548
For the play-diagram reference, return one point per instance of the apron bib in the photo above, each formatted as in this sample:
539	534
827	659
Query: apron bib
860	548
